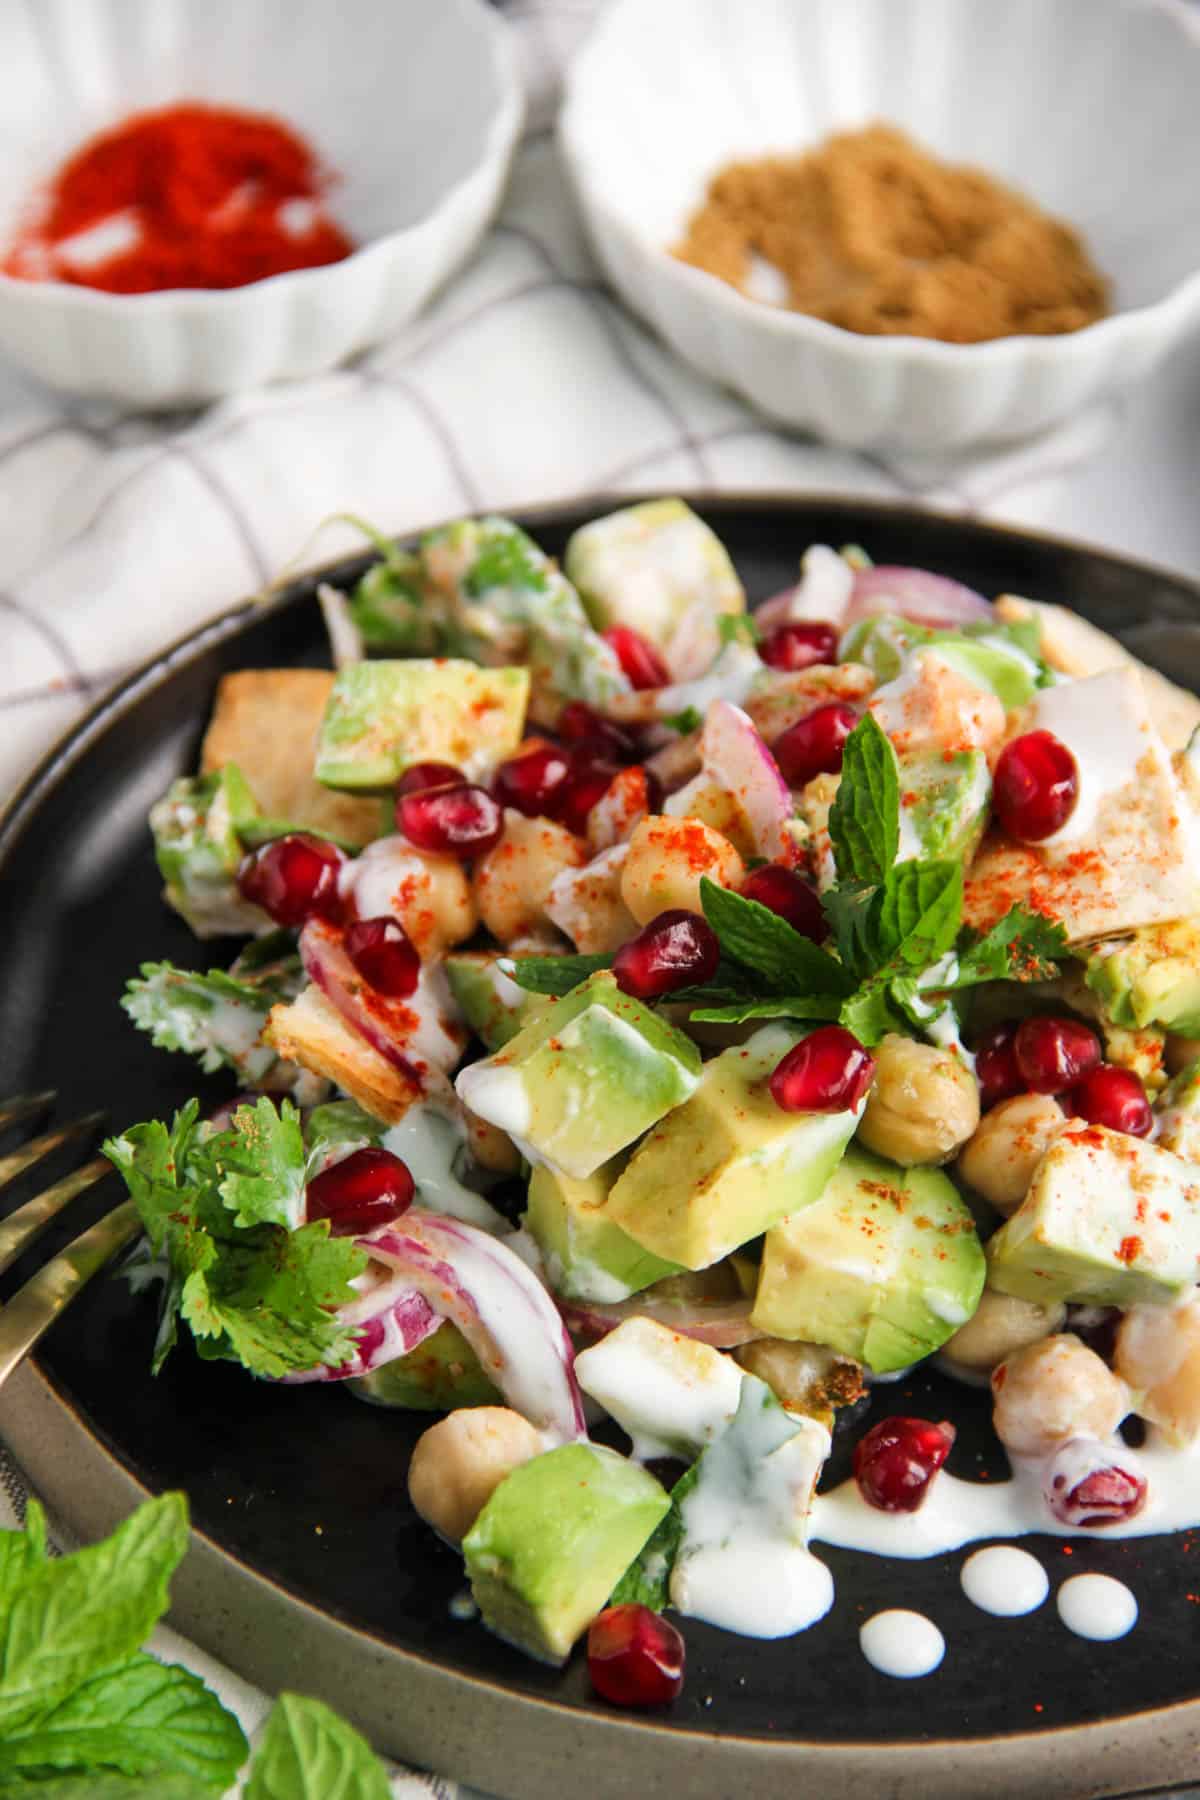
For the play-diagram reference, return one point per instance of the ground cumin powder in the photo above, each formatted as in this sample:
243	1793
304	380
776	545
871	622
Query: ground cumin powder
872	233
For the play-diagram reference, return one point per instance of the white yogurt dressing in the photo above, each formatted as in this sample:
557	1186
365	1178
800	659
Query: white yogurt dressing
1107	742
903	1644
1004	1581
430	1142
1097	1607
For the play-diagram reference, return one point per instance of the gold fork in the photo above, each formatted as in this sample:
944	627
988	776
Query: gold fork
37	1304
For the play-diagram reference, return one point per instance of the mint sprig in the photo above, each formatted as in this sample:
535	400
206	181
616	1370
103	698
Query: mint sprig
553	975
864	820
782	960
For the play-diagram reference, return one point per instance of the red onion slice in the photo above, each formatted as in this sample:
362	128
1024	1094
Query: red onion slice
737	760
724	1324
412	1035
500	1307
916	594
393	1318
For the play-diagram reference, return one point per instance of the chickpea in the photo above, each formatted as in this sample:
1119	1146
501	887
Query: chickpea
429	894
513	880
1158	1354
806	1378
460	1462
491	1148
1011	1141
1001	1325
667	858
1053	1390
923	1104
586	903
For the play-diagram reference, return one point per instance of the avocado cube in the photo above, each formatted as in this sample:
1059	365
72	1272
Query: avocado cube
1178	1110
648	566
553	1541
1151	978
584	1079
587	1256
383	715
727	1165
441	1373
993	659
489	1000
197	848
943	805
1108	1220
883	1267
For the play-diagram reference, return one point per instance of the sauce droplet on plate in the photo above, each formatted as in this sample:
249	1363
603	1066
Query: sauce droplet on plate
903	1644
1097	1606
1004	1581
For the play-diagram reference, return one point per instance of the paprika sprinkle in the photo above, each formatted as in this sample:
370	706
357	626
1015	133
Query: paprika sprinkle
191	196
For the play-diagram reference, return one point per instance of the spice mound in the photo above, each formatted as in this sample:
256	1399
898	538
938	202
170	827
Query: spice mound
191	196
874	234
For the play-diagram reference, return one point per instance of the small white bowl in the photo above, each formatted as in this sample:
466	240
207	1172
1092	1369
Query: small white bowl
1088	106
415	104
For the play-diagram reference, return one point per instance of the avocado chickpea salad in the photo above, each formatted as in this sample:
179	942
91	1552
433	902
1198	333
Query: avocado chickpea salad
665	1020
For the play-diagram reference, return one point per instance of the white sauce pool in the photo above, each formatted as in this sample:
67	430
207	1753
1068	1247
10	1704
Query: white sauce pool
1097	1607
903	1644
1004	1581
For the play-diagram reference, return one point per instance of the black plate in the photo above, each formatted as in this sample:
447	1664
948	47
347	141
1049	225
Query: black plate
306	1486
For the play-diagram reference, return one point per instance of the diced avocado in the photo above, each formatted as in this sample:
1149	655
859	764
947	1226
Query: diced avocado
491	1002
587	1257
583	1080
943	805
727	1165
553	1541
389	609
197	848
995	657
1178	1110
883	1267
1108	1219
1151	978
648	566
383	715
440	1374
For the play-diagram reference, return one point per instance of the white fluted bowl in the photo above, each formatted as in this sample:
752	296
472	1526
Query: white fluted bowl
415	104
1091	107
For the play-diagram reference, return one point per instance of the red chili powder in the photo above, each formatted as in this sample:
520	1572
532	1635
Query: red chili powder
191	196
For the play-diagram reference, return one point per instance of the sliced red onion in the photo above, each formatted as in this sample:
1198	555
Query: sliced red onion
392	1319
915	594
500	1307
736	759
722	1323
413	1035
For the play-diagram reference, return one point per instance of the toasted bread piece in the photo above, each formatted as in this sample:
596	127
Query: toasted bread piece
311	1032
1076	648
266	721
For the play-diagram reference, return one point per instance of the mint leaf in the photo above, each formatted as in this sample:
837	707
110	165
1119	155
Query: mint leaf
1022	946
870	1013
784	1006
864	820
760	940
848	909
685	722
918	911
554	975
76	1615
647	1580
737	628
21	1552
308	1753
102	1784
140	1717
261	1162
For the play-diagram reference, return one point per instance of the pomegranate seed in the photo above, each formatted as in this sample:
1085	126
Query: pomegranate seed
784	892
897	1459
814	744
1052	1054
1085	1487
586	786
675	950
642	664
294	878
367	1188
1114	1098
635	1657
533	782
428	775
461	821
384	956
828	1072
996	1066
1035	786
799	646
578	723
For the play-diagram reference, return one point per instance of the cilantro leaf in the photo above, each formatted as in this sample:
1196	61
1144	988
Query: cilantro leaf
74	1616
268	1299
1022	946
864	820
308	1753
261	1161
918	911
212	1015
554	975
139	1717
761	941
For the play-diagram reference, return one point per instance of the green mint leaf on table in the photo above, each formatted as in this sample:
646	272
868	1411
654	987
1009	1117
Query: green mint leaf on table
139	1717
101	1784
21	1552
74	1616
1022	946
554	975
783	960
309	1753
864	820
262	1163
685	722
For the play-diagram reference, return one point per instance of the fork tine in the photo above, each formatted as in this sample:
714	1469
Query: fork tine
33	1152
24	1106
26	1223
48	1293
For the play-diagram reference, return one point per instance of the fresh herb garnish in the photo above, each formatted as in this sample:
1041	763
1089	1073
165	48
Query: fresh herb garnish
784	961
864	820
553	975
738	628
685	722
